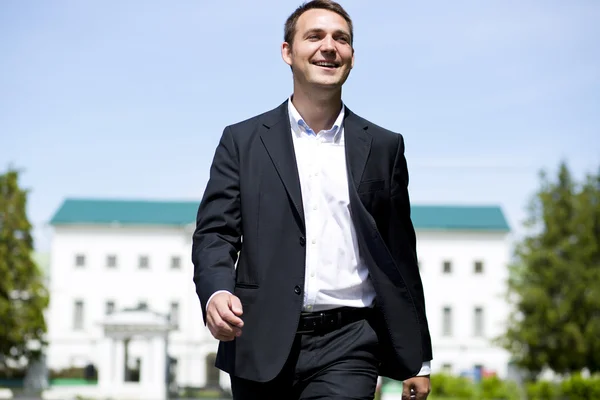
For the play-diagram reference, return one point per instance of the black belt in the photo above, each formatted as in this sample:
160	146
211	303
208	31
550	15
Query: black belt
330	320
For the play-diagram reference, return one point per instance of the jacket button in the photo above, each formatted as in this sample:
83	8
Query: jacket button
302	240
297	290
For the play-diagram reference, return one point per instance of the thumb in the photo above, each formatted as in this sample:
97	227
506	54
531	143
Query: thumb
236	306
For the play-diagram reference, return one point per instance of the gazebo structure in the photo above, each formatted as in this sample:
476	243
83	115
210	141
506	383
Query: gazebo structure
121	329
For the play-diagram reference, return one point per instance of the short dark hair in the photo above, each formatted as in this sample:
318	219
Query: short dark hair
330	5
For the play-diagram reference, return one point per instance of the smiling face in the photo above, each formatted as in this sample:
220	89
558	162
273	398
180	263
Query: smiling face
321	54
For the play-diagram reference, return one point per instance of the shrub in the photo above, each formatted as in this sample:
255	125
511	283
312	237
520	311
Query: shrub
579	388
542	390
494	388
67	373
444	385
12	373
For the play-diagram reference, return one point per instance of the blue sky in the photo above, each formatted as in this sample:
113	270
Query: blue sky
128	99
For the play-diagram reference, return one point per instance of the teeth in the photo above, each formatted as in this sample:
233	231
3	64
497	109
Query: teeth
325	64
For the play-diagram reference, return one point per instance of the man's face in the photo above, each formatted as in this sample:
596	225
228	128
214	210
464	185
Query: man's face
321	54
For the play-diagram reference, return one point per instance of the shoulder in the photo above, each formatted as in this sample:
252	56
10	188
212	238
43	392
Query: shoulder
267	118
378	132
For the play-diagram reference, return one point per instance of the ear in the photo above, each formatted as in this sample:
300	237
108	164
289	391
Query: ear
286	53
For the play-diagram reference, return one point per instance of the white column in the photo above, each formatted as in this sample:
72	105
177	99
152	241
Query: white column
154	384
119	368
105	357
146	377
158	367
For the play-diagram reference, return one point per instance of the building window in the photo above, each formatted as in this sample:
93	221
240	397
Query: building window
447	267
478	321
478	267
78	315
174	314
79	260
109	307
447	322
144	262
175	262
111	261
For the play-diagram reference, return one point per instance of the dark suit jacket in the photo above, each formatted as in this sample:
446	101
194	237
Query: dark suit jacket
253	205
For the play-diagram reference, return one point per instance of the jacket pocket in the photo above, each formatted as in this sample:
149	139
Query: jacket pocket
371	186
242	285
246	292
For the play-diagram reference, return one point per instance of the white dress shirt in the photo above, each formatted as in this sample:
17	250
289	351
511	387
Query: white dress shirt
336	275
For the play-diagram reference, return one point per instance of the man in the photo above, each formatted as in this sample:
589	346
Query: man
326	294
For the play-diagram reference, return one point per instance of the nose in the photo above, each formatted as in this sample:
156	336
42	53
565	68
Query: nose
328	44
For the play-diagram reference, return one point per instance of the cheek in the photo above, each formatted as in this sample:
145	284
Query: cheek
346	55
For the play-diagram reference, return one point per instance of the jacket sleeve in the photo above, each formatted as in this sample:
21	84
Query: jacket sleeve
401	215
217	237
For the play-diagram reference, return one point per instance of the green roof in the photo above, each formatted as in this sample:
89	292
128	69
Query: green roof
125	212
176	213
476	218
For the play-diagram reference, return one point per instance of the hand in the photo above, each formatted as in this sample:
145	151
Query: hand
419	387
223	317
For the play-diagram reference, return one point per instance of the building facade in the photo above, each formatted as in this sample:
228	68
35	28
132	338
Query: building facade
113	255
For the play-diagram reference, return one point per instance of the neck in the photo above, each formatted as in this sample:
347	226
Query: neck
319	110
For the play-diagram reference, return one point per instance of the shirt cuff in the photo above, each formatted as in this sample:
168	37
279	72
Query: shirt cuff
425	369
213	295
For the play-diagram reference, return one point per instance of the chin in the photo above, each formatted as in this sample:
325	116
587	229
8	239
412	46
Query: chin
333	83
327	86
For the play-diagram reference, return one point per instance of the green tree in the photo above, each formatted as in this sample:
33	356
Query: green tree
23	297
554	283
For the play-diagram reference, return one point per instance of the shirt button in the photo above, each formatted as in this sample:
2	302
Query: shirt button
314	241
312	274
297	290
315	207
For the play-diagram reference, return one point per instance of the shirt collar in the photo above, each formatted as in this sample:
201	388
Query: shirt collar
299	127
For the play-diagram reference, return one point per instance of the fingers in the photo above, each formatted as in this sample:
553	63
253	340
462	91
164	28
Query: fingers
224	310
223	317
417	388
423	388
236	306
406	391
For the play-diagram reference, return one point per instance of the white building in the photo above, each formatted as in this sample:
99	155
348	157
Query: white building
110	255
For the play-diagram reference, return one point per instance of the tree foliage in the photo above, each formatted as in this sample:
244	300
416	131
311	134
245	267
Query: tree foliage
554	284
23	297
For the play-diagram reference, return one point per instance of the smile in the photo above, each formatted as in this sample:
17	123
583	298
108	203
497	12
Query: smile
326	64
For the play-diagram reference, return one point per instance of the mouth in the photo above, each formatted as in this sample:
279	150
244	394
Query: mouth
331	65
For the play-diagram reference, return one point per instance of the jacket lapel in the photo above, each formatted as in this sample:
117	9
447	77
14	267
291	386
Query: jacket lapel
358	146
276	136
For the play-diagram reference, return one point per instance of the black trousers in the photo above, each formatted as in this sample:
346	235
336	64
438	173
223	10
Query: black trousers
339	365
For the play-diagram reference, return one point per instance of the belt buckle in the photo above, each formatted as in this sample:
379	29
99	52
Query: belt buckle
322	321
329	321
318	324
